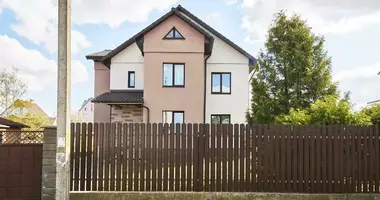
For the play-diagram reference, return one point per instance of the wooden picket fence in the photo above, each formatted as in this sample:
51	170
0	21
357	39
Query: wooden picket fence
233	157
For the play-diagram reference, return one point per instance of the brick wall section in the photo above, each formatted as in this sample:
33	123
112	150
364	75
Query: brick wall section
49	163
127	115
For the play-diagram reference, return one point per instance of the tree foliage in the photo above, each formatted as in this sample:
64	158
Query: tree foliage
292	72
330	110
11	88
373	112
36	122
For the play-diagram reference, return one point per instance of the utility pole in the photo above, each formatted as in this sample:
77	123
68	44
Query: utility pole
63	100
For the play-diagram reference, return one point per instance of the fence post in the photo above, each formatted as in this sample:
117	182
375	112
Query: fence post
48	189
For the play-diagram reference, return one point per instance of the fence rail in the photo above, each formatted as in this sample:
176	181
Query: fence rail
234	157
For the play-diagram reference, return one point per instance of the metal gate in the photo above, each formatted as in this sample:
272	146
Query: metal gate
20	166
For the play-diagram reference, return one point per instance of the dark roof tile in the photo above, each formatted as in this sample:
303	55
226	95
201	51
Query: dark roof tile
120	96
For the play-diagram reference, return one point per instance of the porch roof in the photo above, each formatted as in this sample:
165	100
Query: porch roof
120	97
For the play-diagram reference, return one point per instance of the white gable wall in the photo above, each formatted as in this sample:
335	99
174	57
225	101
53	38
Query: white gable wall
225	58
130	59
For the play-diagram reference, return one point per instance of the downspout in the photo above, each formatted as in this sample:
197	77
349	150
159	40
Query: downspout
110	113
205	86
148	112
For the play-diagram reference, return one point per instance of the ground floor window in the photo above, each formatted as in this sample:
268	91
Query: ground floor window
221	119
173	117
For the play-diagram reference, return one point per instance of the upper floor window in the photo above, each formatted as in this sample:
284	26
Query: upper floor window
131	79
174	34
221	83
173	75
220	119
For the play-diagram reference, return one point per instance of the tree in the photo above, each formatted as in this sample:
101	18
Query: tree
292	72
11	88
373	112
36	122
330	110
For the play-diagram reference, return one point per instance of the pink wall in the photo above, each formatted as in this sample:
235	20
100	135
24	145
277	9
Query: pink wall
102	84
189	51
194	41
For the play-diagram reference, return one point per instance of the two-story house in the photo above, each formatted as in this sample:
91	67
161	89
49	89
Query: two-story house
178	69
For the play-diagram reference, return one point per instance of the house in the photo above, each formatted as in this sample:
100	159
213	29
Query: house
10	131
21	107
178	69
86	112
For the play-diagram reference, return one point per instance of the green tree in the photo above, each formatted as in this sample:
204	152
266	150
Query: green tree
330	110
36	122
292	72
373	112
11	88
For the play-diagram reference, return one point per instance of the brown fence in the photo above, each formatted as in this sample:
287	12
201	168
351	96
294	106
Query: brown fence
242	158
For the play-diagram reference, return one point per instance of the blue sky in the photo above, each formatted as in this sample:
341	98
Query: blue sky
28	37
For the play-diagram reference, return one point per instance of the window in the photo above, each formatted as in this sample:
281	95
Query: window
173	75
173	34
131	79
221	83
220	119
173	117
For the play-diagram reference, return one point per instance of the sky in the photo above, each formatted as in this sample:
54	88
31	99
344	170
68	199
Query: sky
28	37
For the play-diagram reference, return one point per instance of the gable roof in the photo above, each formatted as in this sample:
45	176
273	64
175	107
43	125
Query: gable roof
216	33
138	36
24	106
12	124
85	103
105	56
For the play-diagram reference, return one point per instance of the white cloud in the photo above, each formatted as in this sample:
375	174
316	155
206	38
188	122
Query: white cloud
325	16
37	71
38	22
363	82
116	12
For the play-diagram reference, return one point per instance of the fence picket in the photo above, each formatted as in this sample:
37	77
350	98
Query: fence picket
125	157
83	156
148	157
183	157
142	157
160	155
101	156
224	157
112	156
154	156
95	158
242	157
118	160
177	156
171	157
230	157
165	157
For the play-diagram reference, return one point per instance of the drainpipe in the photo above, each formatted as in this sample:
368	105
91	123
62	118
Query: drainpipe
148	112
110	113
205	86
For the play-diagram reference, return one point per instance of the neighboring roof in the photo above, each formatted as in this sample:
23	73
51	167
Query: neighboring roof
120	96
98	55
376	101
216	33
20	107
133	39
12	124
174	11
85	103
